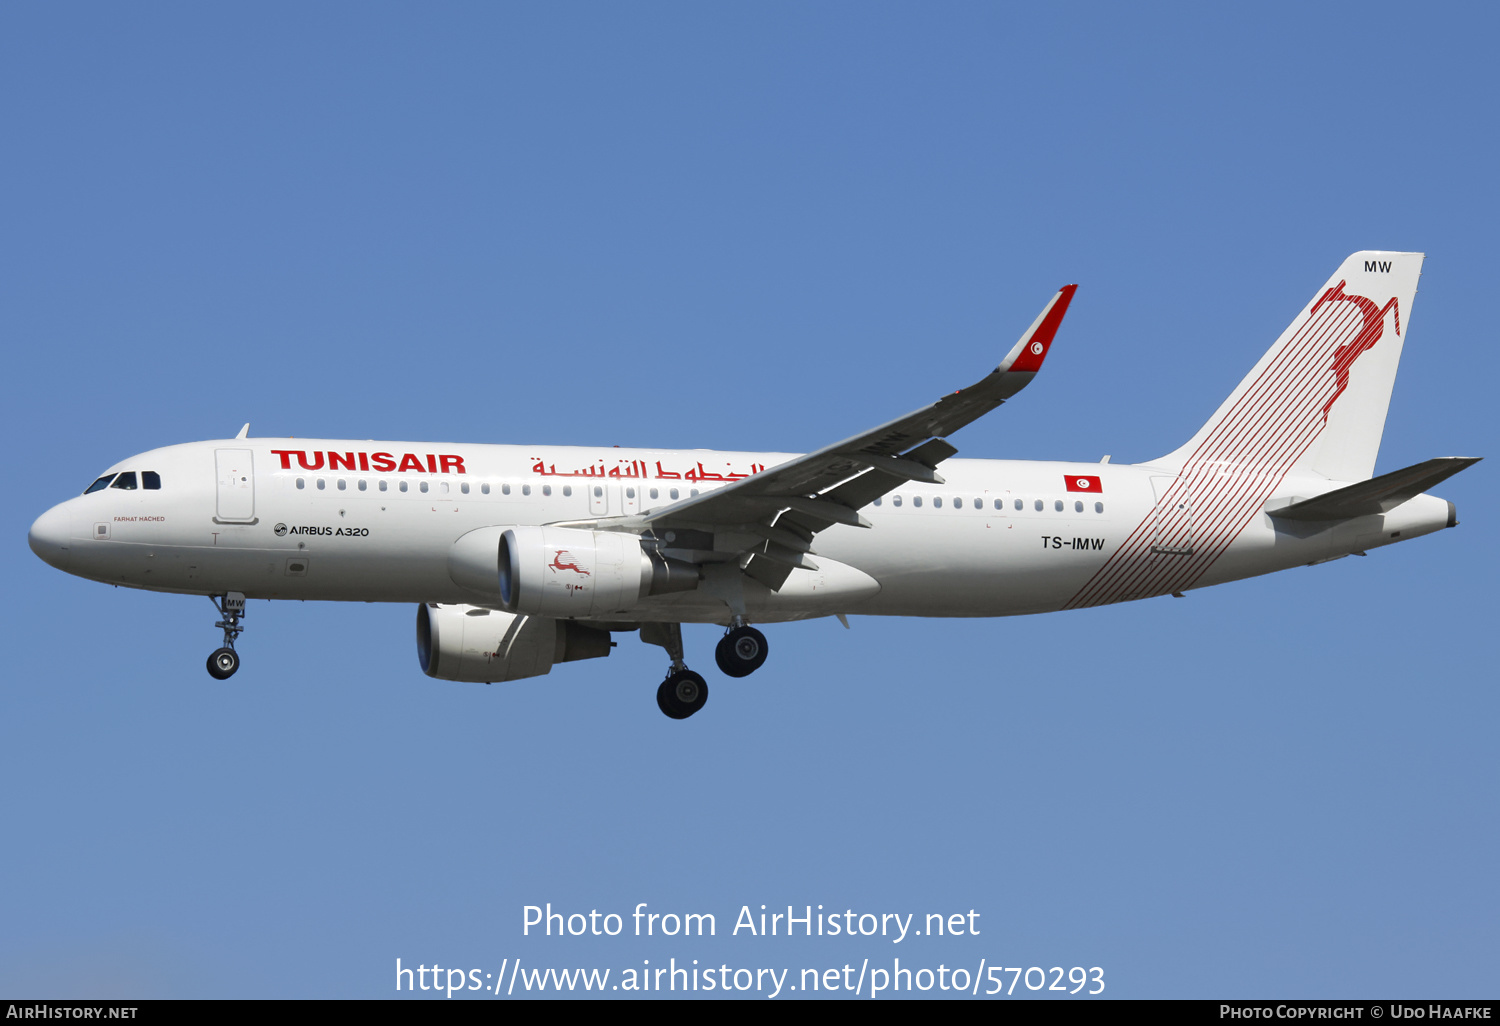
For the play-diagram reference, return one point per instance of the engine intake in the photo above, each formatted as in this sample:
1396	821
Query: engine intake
477	645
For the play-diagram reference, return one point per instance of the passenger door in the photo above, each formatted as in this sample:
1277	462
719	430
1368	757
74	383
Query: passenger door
1174	517
236	478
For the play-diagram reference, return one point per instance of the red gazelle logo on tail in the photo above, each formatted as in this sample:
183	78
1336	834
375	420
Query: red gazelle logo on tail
1374	326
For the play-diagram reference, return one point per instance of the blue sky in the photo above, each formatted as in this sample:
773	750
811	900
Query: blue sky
751	227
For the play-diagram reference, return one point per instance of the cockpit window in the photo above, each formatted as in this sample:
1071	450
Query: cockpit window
125	480
103	482
150	479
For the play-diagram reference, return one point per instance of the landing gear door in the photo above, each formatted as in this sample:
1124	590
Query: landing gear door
236	478
1174	517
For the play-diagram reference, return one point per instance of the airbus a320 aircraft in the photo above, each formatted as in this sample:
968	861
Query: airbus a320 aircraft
520	557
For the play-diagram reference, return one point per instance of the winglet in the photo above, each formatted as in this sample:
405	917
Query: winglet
1028	354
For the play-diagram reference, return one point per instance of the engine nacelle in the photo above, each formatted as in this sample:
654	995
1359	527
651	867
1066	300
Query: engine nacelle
564	572
477	645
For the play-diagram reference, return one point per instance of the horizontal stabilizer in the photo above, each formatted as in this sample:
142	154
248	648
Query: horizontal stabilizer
1377	495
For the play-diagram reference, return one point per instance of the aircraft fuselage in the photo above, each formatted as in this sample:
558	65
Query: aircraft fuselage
998	538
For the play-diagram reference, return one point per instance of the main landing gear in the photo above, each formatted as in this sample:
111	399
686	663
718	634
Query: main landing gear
740	653
683	692
224	661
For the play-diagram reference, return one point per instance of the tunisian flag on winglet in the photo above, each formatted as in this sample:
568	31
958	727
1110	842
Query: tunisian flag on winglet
1084	484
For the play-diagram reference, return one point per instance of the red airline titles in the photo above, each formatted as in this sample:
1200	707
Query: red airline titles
383	462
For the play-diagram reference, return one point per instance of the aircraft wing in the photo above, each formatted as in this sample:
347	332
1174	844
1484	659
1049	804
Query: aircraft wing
778	510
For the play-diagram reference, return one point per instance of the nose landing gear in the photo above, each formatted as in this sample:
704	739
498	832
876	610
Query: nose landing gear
224	661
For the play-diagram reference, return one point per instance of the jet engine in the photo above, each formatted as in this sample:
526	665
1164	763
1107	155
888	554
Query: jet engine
565	572
477	645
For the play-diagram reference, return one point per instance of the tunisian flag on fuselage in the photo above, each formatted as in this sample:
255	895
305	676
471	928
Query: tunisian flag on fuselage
1083	484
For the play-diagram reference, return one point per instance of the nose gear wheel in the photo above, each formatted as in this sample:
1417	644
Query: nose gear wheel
224	661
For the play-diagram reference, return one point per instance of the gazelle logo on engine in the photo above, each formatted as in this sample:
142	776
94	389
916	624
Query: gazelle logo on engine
563	561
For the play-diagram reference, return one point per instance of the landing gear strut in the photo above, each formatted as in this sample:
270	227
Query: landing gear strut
224	661
741	651
683	692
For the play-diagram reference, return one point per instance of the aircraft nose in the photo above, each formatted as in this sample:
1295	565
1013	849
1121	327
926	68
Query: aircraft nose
51	537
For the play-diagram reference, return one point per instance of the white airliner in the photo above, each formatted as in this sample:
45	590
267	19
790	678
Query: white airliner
519	557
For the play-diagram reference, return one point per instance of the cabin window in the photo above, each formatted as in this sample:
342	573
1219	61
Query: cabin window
403	486
916	500
895	500
1039	505
464	488
1020	504
673	493
655	493
598	491
1057	505
1098	507
526	489
958	503
484	489
301	482
630	493
443	487
103	482
937	502
383	486
125	481
693	493
321	484
1078	506
422	487
342	484
363	485
505	489
546	489
150	479
877	502
567	490
999	503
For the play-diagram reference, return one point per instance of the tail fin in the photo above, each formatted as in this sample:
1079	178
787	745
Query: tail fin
1317	400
